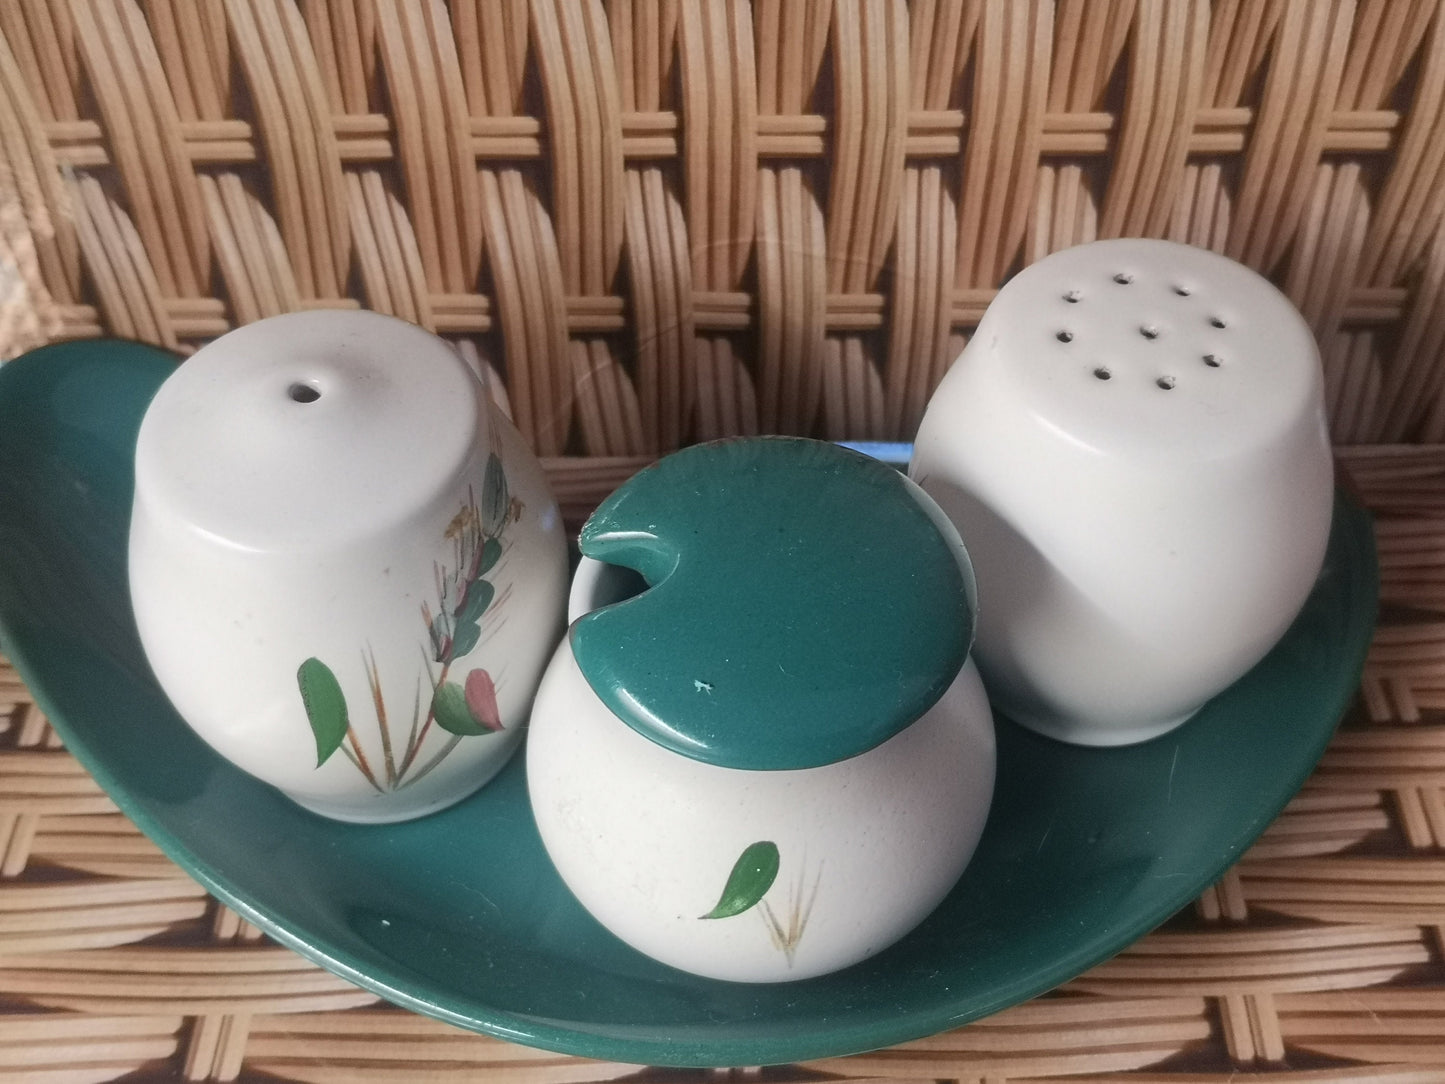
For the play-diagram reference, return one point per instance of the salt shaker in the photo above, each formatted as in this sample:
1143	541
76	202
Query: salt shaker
346	568
1133	447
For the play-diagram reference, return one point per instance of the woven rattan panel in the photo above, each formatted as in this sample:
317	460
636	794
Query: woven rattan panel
666	220
659	221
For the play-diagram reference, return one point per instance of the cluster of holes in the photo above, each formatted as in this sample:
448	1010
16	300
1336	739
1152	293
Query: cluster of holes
1124	278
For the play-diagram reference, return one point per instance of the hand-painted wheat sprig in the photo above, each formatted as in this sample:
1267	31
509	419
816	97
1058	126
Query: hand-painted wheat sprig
463	597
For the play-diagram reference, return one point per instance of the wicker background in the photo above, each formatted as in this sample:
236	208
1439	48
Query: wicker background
664	220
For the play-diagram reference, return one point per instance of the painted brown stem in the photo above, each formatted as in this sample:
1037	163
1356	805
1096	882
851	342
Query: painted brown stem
359	757
374	680
472	572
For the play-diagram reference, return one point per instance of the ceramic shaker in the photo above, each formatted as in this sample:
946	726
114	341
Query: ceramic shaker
1133	447
346	568
761	753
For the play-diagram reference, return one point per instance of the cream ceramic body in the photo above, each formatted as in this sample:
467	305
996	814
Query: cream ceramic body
645	838
337	487
1133	447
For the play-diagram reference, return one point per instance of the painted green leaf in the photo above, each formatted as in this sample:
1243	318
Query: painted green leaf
491	554
467	636
449	707
753	874
325	705
495	498
479	597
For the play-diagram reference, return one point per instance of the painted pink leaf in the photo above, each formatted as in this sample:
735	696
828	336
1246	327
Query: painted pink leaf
482	699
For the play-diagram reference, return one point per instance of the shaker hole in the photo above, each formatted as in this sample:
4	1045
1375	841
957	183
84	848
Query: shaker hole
1165	382
1183	291
1213	361
1065	336
303	393
1215	321
1072	297
1149	332
1123	278
1102	373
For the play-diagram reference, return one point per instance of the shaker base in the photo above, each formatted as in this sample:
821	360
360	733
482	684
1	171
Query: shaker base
1074	732
385	812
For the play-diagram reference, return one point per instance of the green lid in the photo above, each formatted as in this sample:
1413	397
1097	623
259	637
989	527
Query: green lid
802	605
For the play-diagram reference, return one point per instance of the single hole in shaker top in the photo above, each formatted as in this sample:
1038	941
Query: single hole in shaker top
1102	373
1149	332
1065	336
1215	321
303	393
1183	291
1072	297
1213	361
1123	278
1165	382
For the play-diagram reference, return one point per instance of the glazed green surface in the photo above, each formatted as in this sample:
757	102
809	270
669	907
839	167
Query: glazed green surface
461	916
802	607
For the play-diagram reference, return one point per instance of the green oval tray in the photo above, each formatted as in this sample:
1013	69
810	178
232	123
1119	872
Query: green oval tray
461	916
